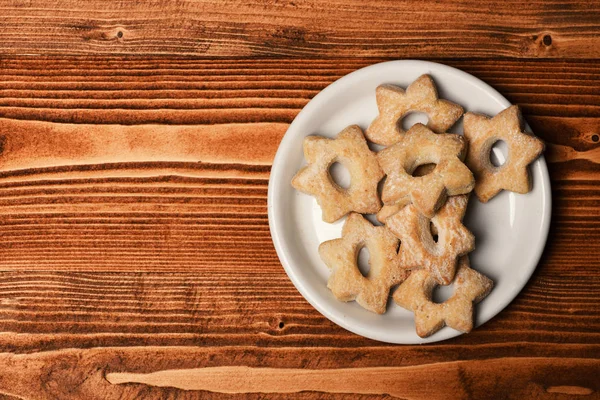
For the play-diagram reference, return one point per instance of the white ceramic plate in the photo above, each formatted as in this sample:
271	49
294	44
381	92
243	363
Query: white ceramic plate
510	230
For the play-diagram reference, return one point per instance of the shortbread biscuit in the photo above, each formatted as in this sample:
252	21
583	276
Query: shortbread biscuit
523	148
421	146
415	294
419	248
346	281
394	104
390	209
351	150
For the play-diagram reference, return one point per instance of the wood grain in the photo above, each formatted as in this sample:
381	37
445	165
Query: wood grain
106	373
164	257
401	382
136	140
192	191
400	29
212	307
34	145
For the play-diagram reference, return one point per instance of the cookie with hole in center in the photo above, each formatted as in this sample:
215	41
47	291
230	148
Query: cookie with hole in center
523	148
420	250
390	209
420	96
351	150
421	146
415	294
346	282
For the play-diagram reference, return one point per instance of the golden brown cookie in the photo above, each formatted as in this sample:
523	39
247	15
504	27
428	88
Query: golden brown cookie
523	148
351	150
421	146
346	281
419	248
390	209
415	294
394	104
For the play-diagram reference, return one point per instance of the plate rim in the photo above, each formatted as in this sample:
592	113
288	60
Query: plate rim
278	163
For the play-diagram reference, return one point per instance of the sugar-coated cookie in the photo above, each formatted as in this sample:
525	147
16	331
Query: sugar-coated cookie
415	294
419	248
421	146
346	281
394	104
351	150
523	148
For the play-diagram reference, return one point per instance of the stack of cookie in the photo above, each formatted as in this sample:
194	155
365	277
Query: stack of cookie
422	242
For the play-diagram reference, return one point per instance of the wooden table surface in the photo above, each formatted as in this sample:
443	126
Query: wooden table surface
128	269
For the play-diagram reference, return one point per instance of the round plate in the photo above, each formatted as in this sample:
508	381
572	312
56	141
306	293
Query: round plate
510	230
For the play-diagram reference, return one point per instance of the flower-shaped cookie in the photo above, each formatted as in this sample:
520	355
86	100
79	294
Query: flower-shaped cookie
351	150
419	248
523	149
415	294
346	281
421	146
394	104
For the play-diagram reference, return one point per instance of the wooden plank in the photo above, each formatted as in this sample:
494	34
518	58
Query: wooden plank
399	29
199	373
191	193
196	92
560	99
31	145
170	224
412	382
250	304
156	90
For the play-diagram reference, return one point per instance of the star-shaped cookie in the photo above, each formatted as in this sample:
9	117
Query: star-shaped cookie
394	104
351	150
419	248
346	281
390	209
415	294
523	148
421	146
